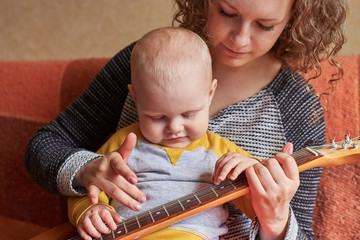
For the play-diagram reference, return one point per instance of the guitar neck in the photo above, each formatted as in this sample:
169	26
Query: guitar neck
214	195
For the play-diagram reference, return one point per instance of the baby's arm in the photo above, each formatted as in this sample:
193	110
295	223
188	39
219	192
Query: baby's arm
90	219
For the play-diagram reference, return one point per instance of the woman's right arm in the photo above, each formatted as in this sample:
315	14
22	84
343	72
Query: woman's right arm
59	150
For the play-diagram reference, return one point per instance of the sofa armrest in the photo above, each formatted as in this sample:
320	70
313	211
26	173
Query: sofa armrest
337	211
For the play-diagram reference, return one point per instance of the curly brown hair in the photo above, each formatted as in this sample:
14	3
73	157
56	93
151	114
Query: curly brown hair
314	34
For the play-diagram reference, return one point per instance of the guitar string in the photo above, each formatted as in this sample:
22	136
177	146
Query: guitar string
206	194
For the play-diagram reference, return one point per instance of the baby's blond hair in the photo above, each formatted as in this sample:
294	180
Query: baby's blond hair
168	55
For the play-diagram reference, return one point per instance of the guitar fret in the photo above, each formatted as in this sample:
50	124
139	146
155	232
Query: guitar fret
312	151
181	204
196	197
214	191
120	230
158	213
132	224
105	237
223	188
165	210
137	220
189	201
173	207
232	185
152	218
145	219
205	194
125	228
112	234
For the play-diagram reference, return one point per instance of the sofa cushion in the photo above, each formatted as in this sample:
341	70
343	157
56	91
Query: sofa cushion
30	89
21	198
19	230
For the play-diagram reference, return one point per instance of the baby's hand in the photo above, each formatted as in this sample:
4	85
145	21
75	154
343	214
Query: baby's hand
231	164
92	222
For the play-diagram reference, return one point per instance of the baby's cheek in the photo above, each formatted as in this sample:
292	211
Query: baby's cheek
152	133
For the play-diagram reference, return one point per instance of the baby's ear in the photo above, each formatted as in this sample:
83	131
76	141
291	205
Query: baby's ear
212	88
132	93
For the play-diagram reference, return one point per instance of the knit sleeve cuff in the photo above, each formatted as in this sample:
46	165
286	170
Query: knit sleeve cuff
70	168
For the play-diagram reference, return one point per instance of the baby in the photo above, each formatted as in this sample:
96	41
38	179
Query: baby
175	155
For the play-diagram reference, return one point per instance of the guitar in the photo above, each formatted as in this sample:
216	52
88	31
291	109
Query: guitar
333	154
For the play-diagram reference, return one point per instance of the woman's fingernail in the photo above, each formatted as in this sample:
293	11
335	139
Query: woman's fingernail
137	206
143	199
132	180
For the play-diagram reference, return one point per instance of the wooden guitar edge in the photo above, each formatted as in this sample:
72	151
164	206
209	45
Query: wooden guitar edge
60	232
173	219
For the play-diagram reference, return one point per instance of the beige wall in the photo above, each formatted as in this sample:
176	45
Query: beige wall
62	29
353	29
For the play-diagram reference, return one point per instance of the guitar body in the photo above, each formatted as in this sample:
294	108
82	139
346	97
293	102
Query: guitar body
318	156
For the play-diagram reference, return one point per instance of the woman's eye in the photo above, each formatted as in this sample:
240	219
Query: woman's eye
225	14
266	28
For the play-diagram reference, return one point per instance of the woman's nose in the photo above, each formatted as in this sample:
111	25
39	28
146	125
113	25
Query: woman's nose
241	35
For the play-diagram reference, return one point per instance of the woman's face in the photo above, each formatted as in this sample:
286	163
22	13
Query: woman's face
244	30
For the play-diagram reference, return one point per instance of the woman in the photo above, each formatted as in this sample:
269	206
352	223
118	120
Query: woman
260	103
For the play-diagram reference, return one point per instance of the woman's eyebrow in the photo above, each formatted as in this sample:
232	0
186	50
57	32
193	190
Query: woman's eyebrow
262	19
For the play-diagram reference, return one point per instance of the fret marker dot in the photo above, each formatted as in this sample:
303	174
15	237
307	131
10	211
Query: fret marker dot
118	232
158	213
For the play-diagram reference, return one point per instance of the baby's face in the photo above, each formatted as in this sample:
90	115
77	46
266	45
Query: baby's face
175	116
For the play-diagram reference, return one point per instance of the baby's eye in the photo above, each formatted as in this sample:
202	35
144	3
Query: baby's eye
225	14
157	117
189	115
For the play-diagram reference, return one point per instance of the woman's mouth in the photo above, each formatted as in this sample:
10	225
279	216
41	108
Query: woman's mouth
233	52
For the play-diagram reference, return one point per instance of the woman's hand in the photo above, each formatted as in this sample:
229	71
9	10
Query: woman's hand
112	175
273	183
92	222
230	165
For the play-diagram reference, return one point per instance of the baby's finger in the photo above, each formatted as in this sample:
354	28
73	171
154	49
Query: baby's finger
99	224
218	174
227	169
107	217
238	170
83	234
87	228
116	217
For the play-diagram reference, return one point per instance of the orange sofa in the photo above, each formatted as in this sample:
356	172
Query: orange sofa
34	92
